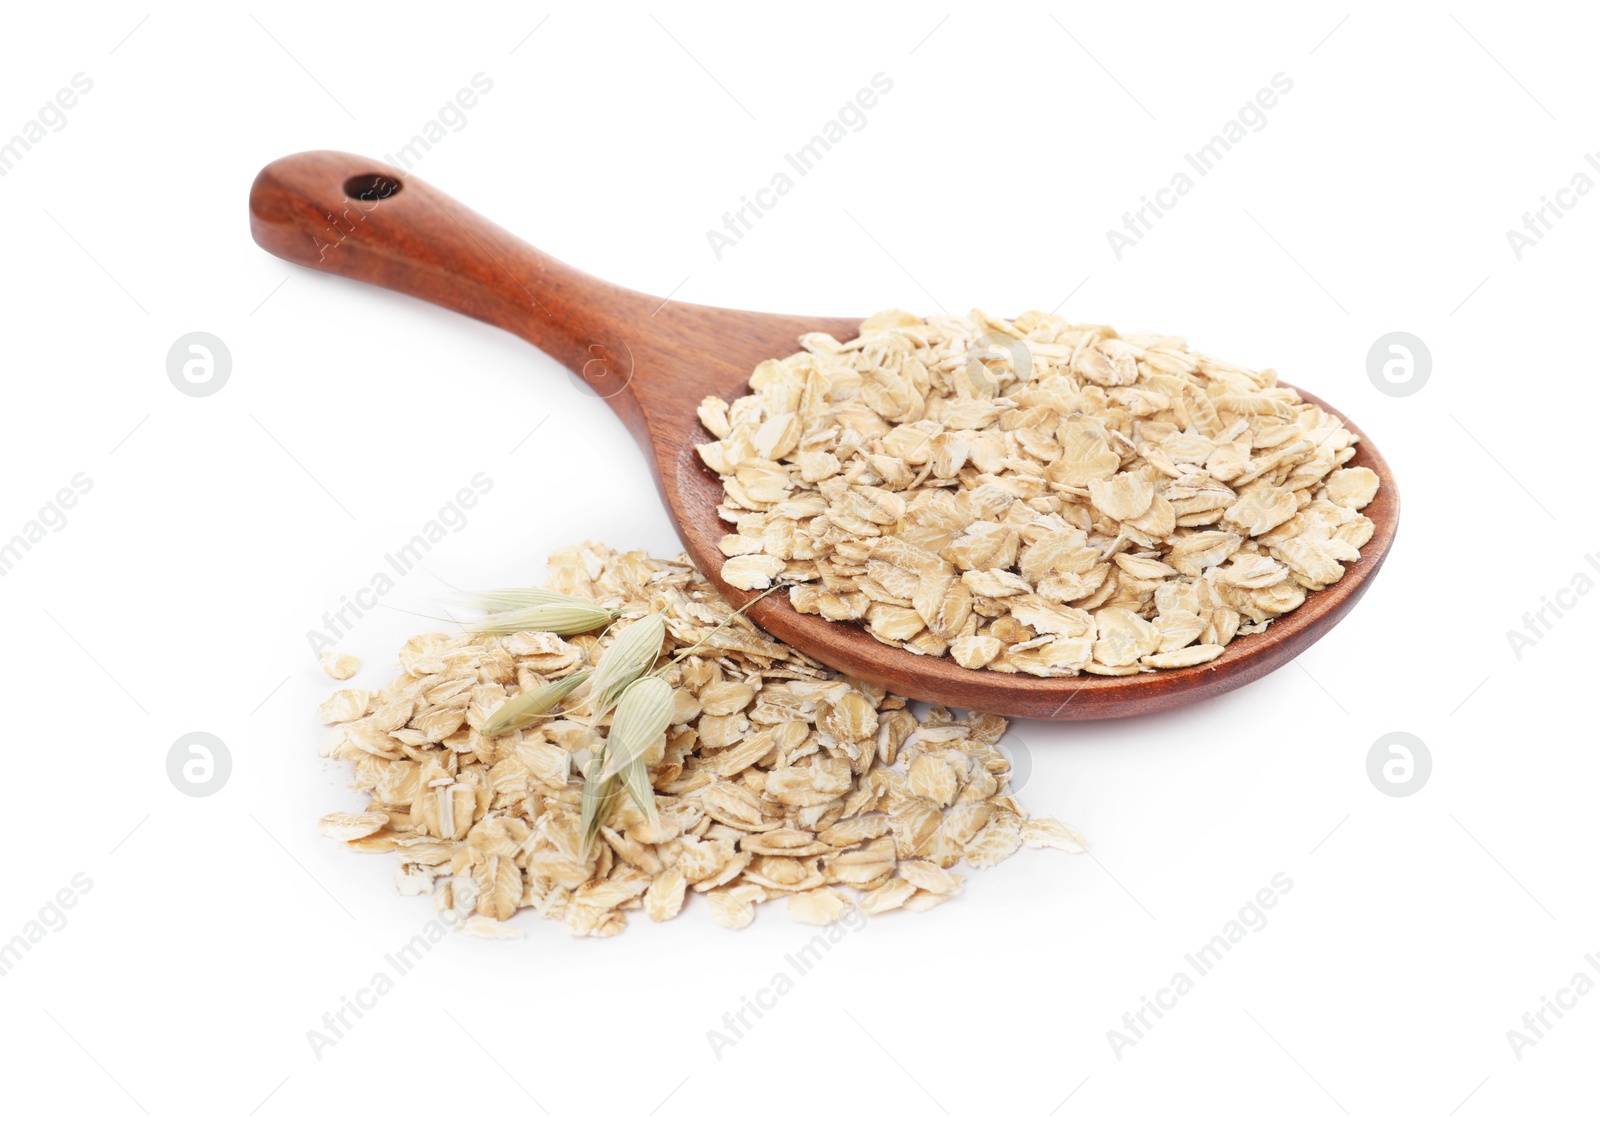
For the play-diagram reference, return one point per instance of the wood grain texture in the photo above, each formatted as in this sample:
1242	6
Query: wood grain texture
653	361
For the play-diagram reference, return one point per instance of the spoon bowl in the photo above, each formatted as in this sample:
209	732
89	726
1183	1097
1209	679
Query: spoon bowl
653	360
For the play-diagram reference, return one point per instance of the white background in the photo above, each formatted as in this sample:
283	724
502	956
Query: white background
218	530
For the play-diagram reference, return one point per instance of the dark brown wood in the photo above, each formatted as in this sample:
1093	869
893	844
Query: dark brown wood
655	361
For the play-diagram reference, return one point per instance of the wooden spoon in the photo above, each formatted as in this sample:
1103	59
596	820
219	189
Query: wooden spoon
653	361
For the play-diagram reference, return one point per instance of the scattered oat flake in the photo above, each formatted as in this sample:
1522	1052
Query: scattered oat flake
344	706
887	897
731	909
351	826
1185	657
485	928
993	844
1047	832
339	665
664	898
818	907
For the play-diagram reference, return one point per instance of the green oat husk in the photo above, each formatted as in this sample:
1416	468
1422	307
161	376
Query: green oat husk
563	620
532	705
636	780
600	796
632	654
643	703
505	600
628	658
643	712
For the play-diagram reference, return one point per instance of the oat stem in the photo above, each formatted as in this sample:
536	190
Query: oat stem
727	620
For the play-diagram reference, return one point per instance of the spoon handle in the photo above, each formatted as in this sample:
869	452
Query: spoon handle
347	215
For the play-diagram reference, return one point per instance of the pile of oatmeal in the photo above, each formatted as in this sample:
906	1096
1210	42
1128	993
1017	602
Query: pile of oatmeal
777	777
1033	496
